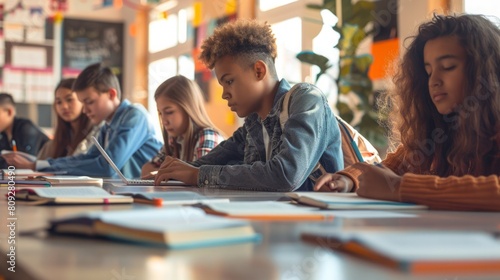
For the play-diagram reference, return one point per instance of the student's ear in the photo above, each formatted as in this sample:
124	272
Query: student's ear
11	111
113	94
260	69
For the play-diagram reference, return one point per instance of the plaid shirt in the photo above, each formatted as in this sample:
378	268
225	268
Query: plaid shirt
207	139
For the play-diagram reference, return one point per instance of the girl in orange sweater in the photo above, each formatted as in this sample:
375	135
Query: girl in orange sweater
445	110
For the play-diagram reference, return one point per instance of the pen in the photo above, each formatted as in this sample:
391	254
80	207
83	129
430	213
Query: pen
14	146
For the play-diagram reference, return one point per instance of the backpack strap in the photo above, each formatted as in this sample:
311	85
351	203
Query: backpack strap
346	129
285	106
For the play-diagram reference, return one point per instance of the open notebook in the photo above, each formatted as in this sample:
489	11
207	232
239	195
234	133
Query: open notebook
135	182
419	251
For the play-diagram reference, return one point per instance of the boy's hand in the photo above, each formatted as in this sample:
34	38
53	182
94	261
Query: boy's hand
149	176
19	161
378	182
333	183
176	169
148	171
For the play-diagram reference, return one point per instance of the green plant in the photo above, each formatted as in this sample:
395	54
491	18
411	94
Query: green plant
353	69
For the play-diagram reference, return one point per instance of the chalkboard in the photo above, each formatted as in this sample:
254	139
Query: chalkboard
87	42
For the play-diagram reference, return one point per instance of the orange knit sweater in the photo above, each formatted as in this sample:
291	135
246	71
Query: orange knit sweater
449	193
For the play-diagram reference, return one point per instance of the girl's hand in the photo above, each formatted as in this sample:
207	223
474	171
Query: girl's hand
19	161
176	169
333	183
378	182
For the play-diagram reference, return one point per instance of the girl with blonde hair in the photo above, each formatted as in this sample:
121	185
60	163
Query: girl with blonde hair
187	130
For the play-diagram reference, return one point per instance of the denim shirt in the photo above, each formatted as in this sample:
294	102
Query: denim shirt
311	134
131	141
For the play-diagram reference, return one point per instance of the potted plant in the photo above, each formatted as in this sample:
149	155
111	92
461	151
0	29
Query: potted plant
352	81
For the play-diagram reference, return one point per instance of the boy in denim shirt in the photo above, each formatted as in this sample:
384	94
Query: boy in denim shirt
260	155
128	135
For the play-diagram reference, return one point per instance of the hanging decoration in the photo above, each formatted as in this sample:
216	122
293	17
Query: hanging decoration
58	5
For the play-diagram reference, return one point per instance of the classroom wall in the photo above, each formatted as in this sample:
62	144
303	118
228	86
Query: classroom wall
136	19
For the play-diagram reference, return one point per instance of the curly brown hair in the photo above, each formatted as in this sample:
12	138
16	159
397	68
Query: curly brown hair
467	140
248	40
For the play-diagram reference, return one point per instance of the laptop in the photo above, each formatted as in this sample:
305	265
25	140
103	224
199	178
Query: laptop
132	182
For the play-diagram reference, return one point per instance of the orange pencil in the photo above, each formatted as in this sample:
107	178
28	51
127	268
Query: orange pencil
14	146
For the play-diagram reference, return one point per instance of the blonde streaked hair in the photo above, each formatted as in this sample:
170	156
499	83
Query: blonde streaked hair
187	95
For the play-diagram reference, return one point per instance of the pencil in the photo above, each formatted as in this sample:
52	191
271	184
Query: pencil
14	146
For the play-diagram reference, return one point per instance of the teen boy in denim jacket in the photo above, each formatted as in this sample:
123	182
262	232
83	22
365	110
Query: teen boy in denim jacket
128	135
260	156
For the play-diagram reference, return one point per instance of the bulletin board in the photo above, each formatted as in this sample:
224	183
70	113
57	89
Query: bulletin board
27	73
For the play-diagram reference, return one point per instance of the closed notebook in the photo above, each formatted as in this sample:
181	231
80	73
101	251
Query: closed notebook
65	180
418	251
23	183
264	210
17	174
69	195
349	201
172	198
175	227
27	156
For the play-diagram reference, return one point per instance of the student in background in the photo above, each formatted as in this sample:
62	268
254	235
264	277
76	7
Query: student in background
188	132
445	110
26	136
260	155
128	135
73	127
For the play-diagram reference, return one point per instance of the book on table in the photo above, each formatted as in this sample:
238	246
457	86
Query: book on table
349	201
21	174
264	210
171	198
67	180
27	156
418	251
173	227
69	195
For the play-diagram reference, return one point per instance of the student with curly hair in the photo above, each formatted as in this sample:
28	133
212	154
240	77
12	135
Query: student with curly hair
446	117
260	155
188	131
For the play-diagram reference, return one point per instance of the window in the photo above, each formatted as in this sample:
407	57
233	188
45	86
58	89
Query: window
289	46
323	44
485	7
266	5
159	71
186	66
163	33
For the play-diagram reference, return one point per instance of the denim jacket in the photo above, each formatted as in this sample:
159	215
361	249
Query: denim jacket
131	141
311	134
